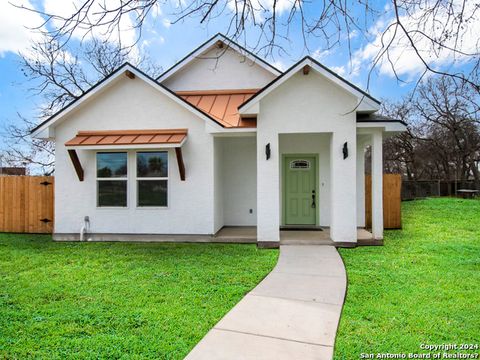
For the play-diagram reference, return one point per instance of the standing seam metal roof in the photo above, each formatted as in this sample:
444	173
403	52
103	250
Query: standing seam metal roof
222	105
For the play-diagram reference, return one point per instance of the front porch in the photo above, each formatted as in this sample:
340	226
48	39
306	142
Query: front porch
312	180
248	234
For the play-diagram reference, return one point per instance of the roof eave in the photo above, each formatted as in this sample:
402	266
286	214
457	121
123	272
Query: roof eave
45	128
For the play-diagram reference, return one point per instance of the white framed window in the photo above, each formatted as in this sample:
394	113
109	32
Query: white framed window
112	181
152	178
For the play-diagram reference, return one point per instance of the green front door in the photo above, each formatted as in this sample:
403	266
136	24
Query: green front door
300	192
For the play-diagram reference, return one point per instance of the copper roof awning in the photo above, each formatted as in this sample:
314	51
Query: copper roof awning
171	137
222	105
127	139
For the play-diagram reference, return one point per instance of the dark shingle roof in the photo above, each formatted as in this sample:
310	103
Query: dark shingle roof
377	118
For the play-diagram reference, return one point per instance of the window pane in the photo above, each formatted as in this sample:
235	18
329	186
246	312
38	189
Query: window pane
111	165
112	193
152	164
300	164
152	193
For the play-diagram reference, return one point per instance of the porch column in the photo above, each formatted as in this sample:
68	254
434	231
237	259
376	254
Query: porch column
343	191
268	190
377	184
361	181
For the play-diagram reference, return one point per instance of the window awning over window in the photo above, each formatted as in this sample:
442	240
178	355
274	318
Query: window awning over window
127	139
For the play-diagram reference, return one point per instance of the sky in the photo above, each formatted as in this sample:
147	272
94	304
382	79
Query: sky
167	43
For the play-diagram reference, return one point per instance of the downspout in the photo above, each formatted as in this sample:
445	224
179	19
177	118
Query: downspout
85	229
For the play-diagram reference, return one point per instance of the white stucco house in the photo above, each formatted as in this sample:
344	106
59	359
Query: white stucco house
221	139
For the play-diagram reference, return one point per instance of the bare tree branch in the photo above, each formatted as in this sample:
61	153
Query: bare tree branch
59	75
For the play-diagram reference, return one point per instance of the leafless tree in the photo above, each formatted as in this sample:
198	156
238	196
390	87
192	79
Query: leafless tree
425	29
399	151
23	151
59	75
443	140
451	115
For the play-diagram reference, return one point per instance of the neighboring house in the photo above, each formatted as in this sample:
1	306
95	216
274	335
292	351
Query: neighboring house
220	139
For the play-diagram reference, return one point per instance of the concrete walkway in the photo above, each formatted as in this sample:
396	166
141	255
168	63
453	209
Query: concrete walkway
292	314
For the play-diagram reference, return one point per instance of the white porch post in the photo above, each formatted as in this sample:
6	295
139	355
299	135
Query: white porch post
360	181
268	190
343	197
377	185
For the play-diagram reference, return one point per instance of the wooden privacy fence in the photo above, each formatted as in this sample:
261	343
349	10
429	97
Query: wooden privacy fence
392	209
26	204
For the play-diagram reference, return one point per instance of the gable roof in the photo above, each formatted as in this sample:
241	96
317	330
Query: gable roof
307	60
230	104
210	43
107	80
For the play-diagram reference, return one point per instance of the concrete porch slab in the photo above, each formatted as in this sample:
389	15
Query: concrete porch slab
236	234
305	235
248	234
363	234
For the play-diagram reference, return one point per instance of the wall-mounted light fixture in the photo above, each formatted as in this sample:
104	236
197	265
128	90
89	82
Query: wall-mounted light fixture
267	151
345	150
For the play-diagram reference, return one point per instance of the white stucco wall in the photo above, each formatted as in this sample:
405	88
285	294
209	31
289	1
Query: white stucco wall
218	69
318	144
133	104
239	181
361	144
308	104
377	183
218	171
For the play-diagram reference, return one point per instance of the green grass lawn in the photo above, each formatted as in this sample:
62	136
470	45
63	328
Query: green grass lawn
423	286
117	300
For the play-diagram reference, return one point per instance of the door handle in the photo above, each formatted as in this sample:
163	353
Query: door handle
313	200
